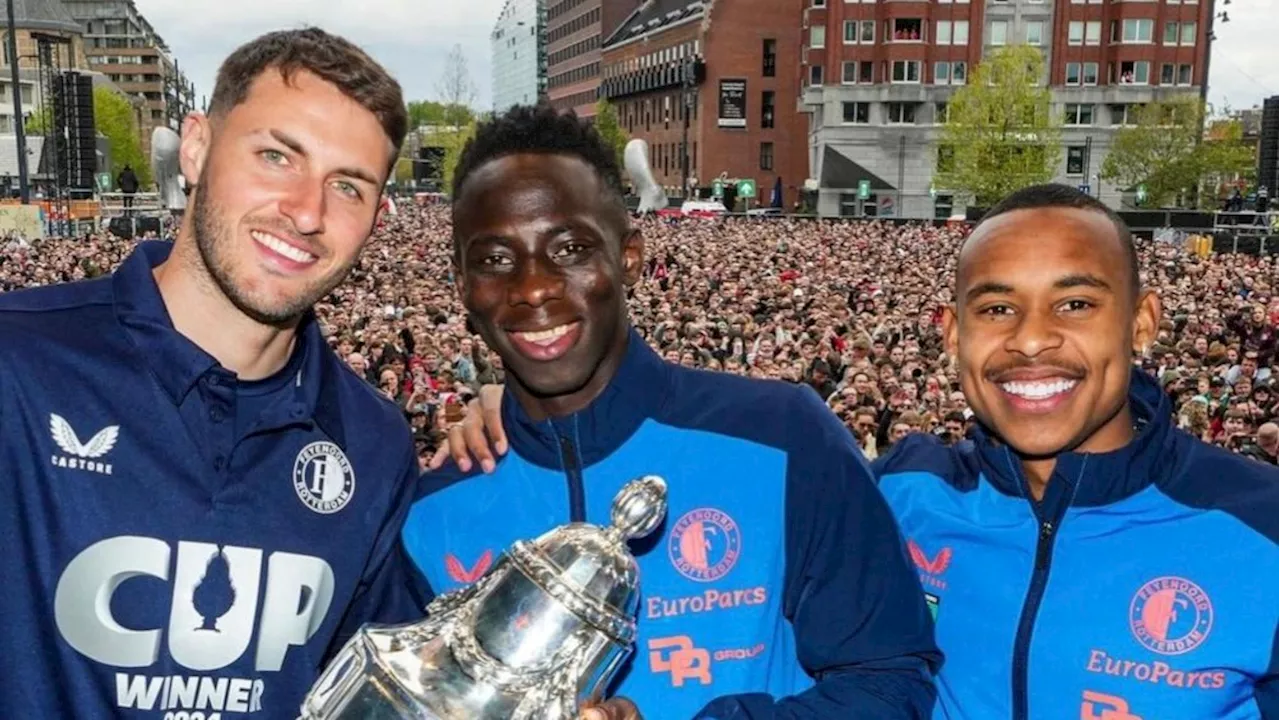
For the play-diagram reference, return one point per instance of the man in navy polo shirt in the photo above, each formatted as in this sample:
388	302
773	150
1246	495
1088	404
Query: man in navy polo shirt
198	502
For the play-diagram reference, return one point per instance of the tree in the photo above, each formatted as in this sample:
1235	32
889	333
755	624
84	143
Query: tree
1164	152
115	119
610	128
457	92
999	135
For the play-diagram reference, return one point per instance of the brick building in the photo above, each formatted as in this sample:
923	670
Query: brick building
735	62
877	77
574	32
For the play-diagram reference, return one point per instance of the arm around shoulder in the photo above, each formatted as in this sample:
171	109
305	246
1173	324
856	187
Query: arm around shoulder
862	628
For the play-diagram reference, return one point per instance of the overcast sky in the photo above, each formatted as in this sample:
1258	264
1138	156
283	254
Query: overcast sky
412	38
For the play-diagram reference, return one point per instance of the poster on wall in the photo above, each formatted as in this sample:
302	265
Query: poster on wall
733	103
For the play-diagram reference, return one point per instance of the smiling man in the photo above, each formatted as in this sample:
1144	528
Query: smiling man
1082	552
777	586
199	502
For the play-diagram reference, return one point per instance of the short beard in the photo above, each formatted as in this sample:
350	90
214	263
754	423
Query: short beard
213	240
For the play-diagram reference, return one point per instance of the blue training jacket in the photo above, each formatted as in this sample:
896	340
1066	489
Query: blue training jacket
159	564
778	562
1143	586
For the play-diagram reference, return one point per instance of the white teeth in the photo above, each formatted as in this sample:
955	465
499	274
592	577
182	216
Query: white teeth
1038	390
544	337
283	247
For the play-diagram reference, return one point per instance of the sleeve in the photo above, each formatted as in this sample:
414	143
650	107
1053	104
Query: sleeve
392	590
1265	690
862	628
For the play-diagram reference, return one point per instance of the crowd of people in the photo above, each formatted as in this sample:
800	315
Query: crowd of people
850	308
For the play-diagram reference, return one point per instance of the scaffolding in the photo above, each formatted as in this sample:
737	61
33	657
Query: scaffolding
56	139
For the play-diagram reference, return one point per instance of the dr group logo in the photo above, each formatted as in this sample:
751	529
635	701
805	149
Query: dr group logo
705	544
685	661
1171	615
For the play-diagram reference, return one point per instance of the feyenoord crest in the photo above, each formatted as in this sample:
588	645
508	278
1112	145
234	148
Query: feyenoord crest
323	478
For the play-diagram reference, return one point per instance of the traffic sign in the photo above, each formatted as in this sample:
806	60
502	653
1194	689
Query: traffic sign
864	189
1083	188
747	188
104	182
717	189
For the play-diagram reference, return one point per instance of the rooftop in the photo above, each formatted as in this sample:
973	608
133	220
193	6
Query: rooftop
653	15
46	15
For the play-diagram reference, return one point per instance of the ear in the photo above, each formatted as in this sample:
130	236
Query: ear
1146	321
632	257
193	150
950	331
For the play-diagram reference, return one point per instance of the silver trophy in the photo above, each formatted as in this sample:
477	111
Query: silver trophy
539	635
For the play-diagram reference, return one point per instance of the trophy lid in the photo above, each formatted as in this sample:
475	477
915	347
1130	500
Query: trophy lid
595	561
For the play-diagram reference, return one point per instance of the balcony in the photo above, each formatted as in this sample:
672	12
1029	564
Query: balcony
651	79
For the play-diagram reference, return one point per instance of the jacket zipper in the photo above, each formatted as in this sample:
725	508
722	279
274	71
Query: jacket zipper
573	472
1031	607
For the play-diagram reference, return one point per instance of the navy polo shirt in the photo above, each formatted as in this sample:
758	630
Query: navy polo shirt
177	543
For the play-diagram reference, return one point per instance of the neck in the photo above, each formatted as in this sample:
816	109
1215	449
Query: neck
203	314
541	407
1113	435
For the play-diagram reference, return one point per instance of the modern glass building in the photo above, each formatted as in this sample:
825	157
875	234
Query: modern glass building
519	54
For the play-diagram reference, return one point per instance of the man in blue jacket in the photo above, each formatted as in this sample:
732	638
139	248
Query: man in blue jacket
198	501
1084	558
778	586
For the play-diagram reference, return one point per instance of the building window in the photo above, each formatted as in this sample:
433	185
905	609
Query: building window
1035	32
818	37
1132	30
942	205
1188	34
1125	114
766	156
1078	114
866	70
946	161
902	113
952	73
952	32
856	112
1135	72
766	109
906	71
1073	73
906	29
1075	160
815	75
999	32
770	57
849	72
1093	32
859	31
1184	74
1166	74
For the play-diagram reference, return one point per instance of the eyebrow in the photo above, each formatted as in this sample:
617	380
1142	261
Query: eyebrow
1063	283
291	143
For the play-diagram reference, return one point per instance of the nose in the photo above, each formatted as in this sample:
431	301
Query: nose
304	205
1034	333
535	284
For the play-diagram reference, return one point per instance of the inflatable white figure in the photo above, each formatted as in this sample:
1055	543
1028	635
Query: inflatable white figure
636	160
165	168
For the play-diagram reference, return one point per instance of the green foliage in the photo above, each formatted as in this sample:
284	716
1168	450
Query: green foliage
115	118
429	113
610	128
1000	135
1163	150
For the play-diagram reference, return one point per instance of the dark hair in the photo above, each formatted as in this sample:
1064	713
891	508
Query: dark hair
1052	195
329	57
539	129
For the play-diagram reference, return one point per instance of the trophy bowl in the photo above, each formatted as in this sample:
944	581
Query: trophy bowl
539	635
